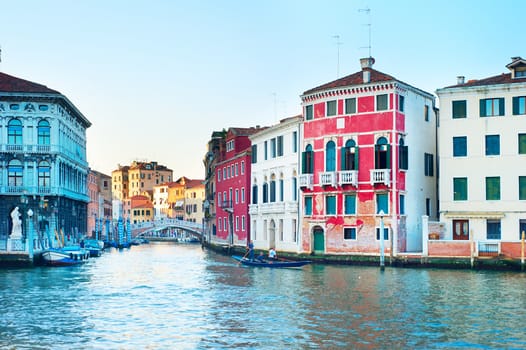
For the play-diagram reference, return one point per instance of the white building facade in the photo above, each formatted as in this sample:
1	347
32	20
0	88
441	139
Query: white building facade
274	198
482	138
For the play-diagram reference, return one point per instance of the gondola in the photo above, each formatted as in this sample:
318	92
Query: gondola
278	263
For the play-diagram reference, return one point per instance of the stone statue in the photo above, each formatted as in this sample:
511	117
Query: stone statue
16	232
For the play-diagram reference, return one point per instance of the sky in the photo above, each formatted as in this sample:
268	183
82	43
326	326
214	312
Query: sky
157	77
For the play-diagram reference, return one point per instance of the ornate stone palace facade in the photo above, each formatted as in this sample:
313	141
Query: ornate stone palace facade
43	165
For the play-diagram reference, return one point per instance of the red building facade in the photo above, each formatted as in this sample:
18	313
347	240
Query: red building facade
360	134
232	178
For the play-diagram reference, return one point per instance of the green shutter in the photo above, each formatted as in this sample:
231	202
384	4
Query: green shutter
356	159
388	156
501	106
343	159
515	106
303	162
482	108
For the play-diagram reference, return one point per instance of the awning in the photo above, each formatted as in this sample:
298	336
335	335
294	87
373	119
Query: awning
474	215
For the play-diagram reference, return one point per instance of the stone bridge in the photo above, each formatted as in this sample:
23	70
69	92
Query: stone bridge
165	227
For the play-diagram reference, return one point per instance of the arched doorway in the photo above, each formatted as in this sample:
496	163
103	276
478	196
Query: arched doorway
318	240
272	234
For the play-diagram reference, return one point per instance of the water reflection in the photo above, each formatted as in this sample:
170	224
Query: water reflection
163	296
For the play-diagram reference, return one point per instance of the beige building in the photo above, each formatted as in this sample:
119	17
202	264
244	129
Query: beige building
139	178
194	199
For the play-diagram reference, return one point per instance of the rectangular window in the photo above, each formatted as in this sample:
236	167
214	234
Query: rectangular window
294	141
493	188
294	189
350	204
266	149
294	231
428	164
330	205
493	229
522	188
382	203
243	195
280	146
255	194
331	108
243	223
492	145
220	224
386	233
401	101
459	109
519	105
237	196
460	189
522	143
491	107
308	112
281	190
242	167
308	206
350	105
460	146
273	148
426	113
349	233
402	204
237	223
382	102
522	229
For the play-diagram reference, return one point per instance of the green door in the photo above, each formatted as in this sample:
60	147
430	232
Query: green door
319	241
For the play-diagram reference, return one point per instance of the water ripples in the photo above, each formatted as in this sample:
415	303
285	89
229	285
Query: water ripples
163	296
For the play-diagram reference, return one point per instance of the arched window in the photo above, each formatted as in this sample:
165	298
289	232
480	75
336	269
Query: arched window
330	156
44	132
265	192
350	156
382	151
14	132
307	158
272	188
44	174
403	161
15	173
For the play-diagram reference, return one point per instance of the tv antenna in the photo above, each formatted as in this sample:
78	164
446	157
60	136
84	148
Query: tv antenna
338	43
367	10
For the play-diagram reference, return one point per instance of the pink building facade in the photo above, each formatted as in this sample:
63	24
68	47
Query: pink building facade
368	160
232	178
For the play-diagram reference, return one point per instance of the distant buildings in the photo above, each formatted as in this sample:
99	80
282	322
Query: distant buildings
482	142
43	164
100	204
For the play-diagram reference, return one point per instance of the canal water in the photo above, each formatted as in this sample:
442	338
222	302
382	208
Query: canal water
169	296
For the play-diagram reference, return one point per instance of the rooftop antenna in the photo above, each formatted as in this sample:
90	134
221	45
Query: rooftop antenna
368	11
338	43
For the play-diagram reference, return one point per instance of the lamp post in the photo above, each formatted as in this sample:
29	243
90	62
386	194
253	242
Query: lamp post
382	257
30	232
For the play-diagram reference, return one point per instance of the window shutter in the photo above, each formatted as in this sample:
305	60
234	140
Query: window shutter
356	158
515	106
303	162
388	156
482	108
343	155
501	106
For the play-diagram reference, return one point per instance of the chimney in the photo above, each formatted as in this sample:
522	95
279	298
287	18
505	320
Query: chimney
460	80
367	64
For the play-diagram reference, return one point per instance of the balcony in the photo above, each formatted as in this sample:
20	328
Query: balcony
328	178
348	177
253	209
381	176
227	206
306	180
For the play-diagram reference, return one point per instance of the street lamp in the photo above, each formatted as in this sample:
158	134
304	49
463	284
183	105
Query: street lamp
382	264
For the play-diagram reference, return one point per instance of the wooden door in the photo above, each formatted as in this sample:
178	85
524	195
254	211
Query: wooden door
461	230
319	240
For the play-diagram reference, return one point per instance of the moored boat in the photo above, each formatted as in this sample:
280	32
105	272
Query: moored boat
277	263
65	257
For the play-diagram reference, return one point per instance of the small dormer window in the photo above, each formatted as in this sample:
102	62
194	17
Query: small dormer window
520	72
517	67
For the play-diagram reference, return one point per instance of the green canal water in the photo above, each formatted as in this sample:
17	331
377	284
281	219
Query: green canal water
169	296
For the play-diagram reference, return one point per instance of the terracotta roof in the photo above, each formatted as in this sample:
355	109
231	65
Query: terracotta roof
504	78
352	80
245	131
9	83
194	183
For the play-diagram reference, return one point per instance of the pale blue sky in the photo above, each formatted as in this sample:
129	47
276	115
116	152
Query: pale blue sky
157	77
